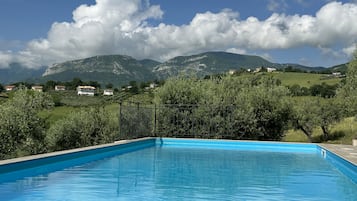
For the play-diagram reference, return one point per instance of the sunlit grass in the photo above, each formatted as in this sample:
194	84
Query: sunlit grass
341	133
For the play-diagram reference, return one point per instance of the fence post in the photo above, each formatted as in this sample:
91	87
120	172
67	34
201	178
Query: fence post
120	105
155	120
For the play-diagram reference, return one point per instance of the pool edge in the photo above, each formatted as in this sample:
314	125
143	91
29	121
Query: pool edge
72	151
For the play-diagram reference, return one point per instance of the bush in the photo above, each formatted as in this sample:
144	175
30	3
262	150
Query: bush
89	126
22	131
254	108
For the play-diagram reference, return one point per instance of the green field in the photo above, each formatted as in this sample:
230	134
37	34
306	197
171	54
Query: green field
304	79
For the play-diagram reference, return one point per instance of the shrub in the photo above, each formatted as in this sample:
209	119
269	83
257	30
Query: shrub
22	131
89	126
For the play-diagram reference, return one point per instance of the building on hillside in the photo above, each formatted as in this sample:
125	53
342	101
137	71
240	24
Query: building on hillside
10	88
153	85
257	70
108	92
37	88
270	70
60	88
232	72
85	90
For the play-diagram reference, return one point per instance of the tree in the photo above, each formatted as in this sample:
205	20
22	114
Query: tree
50	85
305	117
22	131
109	86
349	91
89	126
317	112
1	88
253	108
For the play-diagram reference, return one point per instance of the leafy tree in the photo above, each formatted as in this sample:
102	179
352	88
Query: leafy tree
22	131
50	85
324	90
94	84
253	108
134	89
305	117
109	86
1	88
89	126
349	91
315	113
330	112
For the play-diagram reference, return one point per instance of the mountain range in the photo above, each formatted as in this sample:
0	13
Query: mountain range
120	69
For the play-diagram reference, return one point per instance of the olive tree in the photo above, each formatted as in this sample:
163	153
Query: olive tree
349	91
22	131
89	126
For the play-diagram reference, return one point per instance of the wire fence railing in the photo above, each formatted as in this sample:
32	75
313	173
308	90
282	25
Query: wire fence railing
181	121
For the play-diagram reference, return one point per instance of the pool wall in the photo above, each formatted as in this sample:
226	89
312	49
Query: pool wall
45	163
345	166
239	145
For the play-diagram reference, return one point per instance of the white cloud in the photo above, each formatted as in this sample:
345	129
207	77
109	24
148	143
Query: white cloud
5	59
349	51
121	27
277	5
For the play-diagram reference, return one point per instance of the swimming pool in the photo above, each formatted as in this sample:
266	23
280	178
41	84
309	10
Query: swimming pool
183	169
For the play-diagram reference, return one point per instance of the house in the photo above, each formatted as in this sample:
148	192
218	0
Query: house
108	92
10	87
85	90
257	70
336	74
270	70
153	85
232	72
60	88
37	88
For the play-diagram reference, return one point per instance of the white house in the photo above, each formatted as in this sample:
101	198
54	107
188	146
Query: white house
108	92
270	70
10	87
153	85
60	88
231	72
37	88
85	90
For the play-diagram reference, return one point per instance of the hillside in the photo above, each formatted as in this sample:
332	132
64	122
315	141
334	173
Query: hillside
120	69
208	63
116	69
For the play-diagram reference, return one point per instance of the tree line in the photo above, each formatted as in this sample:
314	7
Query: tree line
257	107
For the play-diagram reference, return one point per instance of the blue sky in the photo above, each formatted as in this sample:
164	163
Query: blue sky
42	32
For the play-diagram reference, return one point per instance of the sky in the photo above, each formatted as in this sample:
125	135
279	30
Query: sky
309	32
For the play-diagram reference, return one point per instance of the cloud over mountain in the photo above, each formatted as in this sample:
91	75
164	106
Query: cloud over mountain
125	27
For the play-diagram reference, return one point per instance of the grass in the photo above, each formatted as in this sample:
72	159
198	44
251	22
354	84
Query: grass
61	112
341	133
304	79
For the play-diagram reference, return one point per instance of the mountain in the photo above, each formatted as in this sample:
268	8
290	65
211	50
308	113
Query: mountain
16	73
115	69
339	68
208	63
121	69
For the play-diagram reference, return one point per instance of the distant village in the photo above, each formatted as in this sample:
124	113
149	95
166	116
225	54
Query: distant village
92	90
82	90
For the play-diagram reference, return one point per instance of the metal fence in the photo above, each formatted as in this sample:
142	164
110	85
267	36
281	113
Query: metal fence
197	121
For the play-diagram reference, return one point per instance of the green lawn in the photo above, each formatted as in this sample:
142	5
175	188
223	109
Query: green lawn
304	79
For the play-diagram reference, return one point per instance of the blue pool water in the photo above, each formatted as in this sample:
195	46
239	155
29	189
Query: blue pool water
189	172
